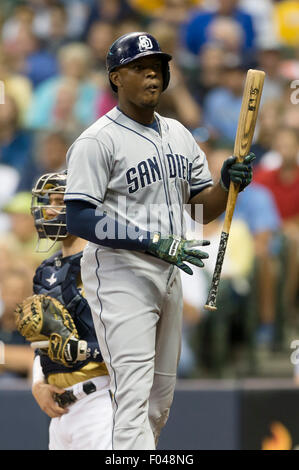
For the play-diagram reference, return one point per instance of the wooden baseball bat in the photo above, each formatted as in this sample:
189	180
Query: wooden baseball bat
246	126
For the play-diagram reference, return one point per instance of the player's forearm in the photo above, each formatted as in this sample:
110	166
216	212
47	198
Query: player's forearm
84	222
18	358
214	201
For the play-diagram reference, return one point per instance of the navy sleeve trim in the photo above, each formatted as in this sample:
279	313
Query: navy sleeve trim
202	182
196	191
81	194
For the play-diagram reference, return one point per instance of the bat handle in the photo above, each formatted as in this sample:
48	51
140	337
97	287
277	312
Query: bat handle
39	344
211	300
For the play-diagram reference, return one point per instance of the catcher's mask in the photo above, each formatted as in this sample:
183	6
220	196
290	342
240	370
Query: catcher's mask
51	227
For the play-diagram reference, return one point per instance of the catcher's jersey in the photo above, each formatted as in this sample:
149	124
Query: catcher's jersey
60	278
143	176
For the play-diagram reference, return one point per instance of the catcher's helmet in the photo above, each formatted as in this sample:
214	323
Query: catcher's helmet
132	46
53	228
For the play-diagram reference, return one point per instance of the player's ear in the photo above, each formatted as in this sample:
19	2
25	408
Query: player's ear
115	78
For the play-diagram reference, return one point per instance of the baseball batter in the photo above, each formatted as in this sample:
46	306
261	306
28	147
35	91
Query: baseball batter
129	176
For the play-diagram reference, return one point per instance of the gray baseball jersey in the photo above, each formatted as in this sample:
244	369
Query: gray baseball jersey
145	177
133	171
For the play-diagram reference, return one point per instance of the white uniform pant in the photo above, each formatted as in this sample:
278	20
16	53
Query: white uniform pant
87	425
136	301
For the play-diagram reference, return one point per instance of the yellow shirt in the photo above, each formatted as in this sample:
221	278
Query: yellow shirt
286	17
20	89
150	6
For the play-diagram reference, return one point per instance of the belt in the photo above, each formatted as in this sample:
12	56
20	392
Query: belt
81	390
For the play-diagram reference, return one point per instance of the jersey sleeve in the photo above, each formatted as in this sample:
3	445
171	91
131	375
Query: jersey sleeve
89	167
200	173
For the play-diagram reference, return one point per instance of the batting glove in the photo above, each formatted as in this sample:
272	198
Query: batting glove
239	173
176	250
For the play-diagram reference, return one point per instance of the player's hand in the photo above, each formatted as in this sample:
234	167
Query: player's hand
44	395
239	173
176	250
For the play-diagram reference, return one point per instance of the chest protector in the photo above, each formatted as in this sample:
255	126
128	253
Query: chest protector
60	278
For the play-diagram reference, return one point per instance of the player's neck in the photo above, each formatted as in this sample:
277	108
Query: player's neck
142	115
72	245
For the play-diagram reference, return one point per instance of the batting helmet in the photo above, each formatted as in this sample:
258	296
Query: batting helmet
53	228
132	46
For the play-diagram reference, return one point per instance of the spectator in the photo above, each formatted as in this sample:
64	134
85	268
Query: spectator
269	118
22	17
14	288
29	57
15	85
174	12
256	207
197	29
75	64
290	117
113	11
9	180
227	33
272	160
50	150
206	72
58	28
262	12
21	240
177	101
286	17
269	58
15	143
100	37
222	105
283	182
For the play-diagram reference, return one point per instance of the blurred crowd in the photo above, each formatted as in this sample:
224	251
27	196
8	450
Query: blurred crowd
53	84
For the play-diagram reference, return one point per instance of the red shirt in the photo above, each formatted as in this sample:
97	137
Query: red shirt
286	194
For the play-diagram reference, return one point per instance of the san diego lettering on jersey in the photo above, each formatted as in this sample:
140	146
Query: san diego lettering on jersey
148	171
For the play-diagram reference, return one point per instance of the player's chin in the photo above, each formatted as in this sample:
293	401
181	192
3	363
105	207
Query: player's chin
150	102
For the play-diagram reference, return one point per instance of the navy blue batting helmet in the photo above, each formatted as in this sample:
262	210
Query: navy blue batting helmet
132	46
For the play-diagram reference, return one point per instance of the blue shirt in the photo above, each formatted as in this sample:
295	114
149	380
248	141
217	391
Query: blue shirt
18	152
256	206
221	112
196	31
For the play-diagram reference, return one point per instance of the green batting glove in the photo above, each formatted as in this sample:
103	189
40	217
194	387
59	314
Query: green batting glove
239	173
175	250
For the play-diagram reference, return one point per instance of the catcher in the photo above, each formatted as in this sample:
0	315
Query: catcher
70	379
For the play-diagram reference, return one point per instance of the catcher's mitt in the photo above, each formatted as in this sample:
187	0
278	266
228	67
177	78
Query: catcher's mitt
40	318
